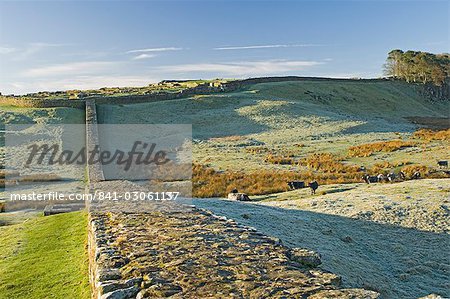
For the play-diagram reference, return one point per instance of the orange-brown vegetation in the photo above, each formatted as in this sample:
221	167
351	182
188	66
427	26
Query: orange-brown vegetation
366	150
208	182
429	135
256	149
328	163
326	168
278	159
410	169
381	167
46	177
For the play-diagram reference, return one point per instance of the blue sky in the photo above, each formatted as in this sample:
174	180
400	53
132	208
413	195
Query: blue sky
57	45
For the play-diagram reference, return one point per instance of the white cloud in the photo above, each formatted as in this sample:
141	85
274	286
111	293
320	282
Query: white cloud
94	82
73	68
33	48
265	47
437	43
155	50
243	68
77	82
143	56
7	50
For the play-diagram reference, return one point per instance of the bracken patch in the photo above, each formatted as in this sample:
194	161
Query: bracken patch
366	150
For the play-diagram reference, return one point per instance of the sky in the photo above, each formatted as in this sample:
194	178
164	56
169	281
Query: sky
61	45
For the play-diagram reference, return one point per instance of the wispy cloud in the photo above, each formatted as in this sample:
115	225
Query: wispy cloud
154	50
436	43
68	69
78	82
243	68
265	46
143	56
33	48
7	50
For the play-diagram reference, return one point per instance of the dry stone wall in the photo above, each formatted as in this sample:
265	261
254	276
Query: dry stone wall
94	171
166	249
41	103
162	96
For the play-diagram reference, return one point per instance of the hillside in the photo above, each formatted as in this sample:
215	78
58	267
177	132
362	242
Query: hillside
293	120
246	112
265	134
391	238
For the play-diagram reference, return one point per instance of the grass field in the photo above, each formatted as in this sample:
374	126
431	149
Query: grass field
237	131
17	115
45	257
32	121
42	257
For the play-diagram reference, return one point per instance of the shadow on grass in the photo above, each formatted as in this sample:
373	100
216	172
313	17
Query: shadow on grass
338	190
398	262
206	114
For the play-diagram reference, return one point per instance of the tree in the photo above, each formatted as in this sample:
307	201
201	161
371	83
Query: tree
417	66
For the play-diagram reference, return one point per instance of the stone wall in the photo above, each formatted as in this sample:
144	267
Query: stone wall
167	249
191	253
94	171
201	89
40	103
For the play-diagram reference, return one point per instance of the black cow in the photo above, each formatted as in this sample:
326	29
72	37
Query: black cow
391	177
313	185
381	177
402	175
296	185
243	197
443	163
416	175
370	179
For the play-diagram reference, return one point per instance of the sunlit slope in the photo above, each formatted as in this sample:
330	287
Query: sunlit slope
300	108
366	98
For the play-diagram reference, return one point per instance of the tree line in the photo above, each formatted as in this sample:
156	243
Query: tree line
418	67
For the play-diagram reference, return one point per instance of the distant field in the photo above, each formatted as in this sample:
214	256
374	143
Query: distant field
10	115
17	115
236	131
44	257
34	118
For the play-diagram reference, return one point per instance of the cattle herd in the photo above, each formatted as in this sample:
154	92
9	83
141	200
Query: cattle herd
401	176
293	185
390	177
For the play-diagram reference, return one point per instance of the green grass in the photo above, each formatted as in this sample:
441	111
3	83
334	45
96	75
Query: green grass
18	115
45	257
324	116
